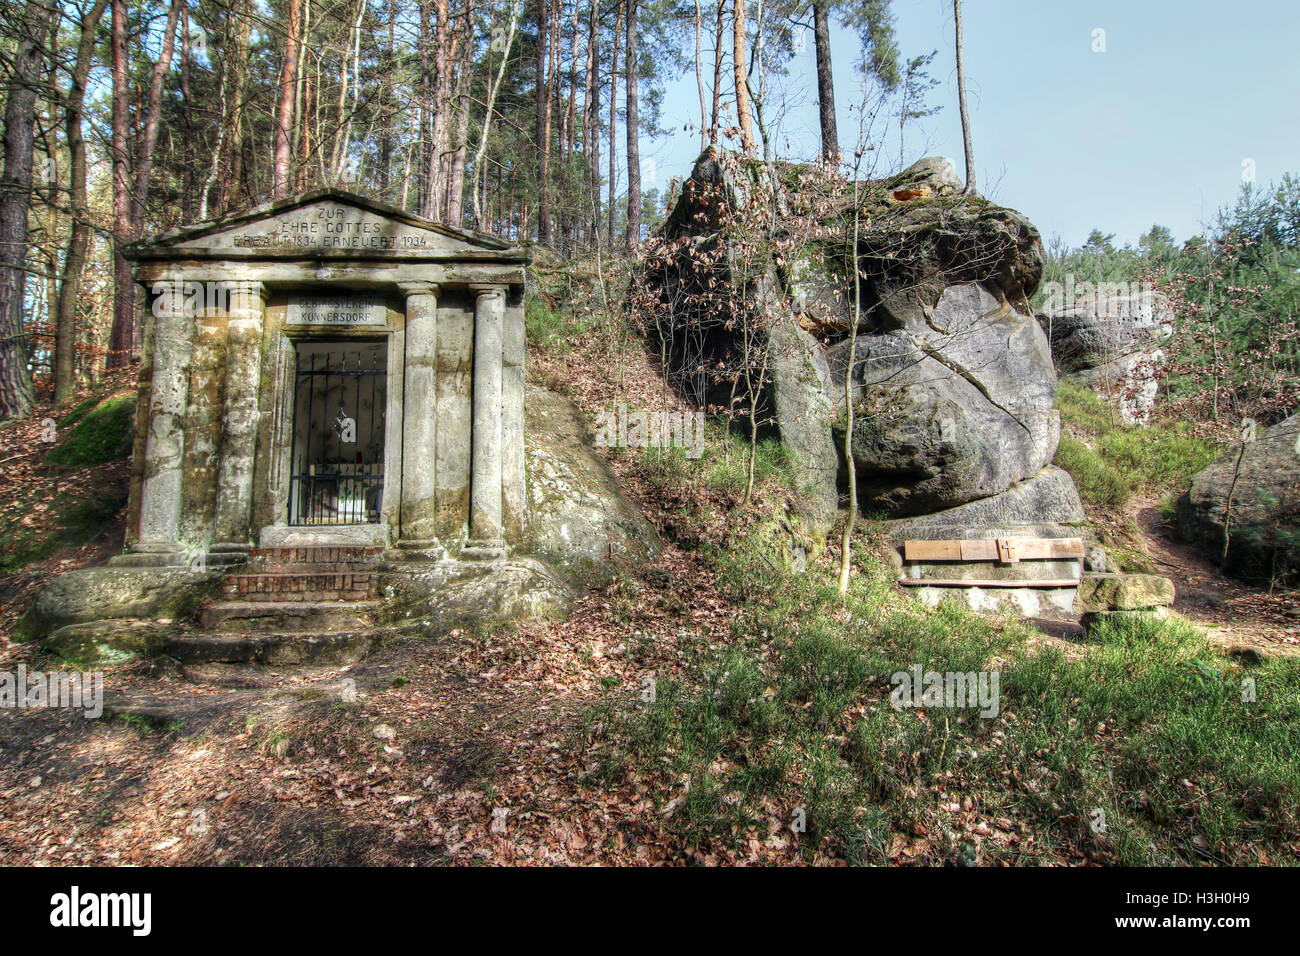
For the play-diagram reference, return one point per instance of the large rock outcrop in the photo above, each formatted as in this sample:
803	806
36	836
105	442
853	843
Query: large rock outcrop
112	593
954	406
1250	498
578	520
1111	343
952	380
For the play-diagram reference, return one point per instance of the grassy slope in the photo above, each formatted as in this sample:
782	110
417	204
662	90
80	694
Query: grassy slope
1116	466
65	494
1137	748
1146	726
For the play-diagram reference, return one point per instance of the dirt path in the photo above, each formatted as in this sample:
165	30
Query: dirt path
1235	614
459	749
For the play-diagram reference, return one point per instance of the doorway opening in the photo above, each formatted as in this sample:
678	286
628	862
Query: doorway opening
340	401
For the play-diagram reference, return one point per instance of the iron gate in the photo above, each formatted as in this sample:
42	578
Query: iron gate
340	401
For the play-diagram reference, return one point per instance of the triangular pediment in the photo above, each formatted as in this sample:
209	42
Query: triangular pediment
326	224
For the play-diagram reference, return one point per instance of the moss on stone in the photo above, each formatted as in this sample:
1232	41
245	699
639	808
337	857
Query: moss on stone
104	433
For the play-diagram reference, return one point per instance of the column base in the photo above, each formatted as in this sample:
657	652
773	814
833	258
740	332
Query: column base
230	547
485	549
417	549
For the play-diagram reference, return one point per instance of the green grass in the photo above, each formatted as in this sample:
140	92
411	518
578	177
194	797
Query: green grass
94	432
723	464
547	329
104	433
1099	483
1111	462
78	412
1148	727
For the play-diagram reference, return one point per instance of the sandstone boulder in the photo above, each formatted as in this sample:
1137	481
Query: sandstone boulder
1099	593
109	641
109	593
1046	505
952	377
951	407
1111	343
466	594
1250	497
577	518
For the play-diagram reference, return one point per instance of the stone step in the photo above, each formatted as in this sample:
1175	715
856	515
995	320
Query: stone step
242	617
306	681
290	648
300	586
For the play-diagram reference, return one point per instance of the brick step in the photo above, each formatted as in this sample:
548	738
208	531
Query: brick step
287	649
289	559
244	617
296	586
310	568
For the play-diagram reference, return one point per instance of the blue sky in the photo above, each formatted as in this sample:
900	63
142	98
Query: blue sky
1154	129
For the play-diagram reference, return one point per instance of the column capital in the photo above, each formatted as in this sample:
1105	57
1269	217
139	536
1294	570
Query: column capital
252	287
409	289
487	288
245	291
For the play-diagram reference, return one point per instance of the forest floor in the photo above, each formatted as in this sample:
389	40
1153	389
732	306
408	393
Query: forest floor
495	747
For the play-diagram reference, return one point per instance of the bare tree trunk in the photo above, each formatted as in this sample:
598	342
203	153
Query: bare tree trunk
456	189
961	102
613	122
825	83
633	123
219	144
716	120
16	396
759	99
424	155
738	33
232	169
699	78
187	120
122	336
65	335
479	171
542	131
846	541
153	109
284	111
591	121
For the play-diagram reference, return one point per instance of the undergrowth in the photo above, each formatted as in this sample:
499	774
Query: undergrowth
1146	749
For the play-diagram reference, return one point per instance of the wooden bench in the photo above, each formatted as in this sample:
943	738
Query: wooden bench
1003	551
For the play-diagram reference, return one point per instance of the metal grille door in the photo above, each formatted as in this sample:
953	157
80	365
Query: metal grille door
340	400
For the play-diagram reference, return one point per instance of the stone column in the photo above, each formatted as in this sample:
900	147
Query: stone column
245	309
418	515
512	419
485	524
160	491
